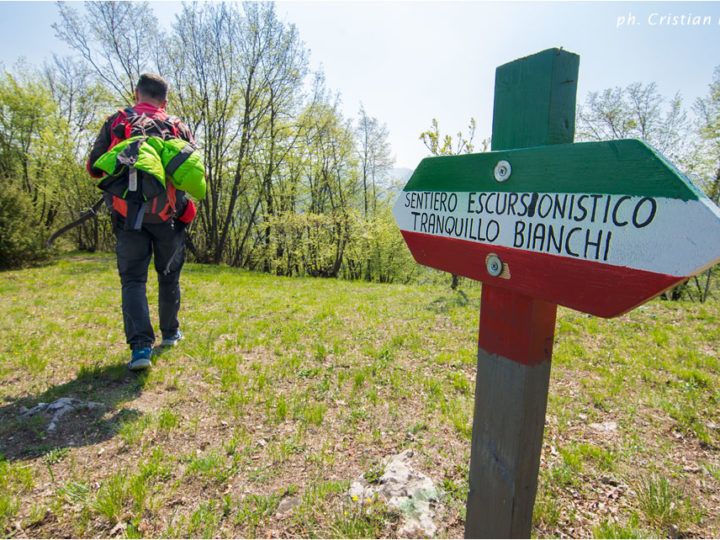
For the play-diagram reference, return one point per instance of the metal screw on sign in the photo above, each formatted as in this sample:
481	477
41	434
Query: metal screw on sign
502	171
494	265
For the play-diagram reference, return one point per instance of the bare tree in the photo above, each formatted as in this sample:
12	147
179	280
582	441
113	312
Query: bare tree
117	39
236	71
639	111
78	95
636	112
374	155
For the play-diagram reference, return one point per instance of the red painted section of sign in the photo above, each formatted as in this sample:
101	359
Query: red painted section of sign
515	326
587	286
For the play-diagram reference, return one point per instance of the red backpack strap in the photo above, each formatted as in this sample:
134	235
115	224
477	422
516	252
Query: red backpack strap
172	122
129	113
122	116
169	210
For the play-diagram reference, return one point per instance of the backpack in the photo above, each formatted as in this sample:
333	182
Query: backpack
150	152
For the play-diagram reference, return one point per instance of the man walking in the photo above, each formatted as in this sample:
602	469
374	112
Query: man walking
157	230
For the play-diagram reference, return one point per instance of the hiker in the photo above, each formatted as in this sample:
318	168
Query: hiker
145	227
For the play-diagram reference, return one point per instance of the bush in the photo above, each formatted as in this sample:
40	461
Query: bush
20	234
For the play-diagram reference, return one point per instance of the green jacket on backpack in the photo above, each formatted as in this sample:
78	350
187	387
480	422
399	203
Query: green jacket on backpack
175	159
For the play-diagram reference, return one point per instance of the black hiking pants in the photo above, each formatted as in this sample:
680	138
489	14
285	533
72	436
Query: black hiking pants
166	241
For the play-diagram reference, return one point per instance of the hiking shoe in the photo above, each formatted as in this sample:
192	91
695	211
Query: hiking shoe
172	340
140	359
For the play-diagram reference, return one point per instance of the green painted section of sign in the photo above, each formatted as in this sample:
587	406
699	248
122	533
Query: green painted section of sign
623	167
546	85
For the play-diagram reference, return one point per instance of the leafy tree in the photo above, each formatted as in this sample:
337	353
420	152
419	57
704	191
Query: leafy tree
440	145
33	156
377	250
82	103
708	156
706	161
377	244
19	242
331	184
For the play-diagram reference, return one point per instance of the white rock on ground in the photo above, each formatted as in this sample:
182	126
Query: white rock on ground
604	427
59	408
410	492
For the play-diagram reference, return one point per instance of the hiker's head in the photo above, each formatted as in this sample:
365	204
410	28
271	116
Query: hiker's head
152	89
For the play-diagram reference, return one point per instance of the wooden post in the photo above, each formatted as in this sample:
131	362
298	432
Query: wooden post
534	105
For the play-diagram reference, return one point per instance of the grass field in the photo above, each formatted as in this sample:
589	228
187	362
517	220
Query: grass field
289	389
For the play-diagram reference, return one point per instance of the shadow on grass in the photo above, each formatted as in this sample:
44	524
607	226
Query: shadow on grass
100	389
444	304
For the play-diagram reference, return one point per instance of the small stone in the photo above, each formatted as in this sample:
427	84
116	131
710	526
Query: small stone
405	489
609	480
121	527
59	408
604	427
287	504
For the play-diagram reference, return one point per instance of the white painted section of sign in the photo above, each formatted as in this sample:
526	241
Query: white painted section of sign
666	236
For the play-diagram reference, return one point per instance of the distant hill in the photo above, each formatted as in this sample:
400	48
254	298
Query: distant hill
401	174
397	178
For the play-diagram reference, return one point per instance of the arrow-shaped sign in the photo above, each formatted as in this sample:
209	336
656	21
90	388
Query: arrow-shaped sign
598	227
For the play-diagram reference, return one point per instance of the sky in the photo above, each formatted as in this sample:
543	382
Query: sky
409	61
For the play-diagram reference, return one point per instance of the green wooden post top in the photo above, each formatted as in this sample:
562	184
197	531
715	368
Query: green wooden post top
535	100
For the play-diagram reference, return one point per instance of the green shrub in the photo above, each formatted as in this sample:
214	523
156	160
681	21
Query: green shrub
20	234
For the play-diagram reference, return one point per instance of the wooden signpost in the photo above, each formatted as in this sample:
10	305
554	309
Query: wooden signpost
598	227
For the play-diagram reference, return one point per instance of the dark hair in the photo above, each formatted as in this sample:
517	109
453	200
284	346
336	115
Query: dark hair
152	86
